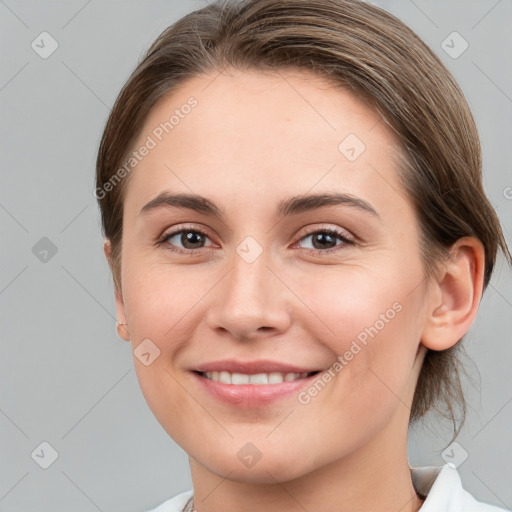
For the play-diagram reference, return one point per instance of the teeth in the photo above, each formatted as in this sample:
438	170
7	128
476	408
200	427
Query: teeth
258	378
275	378
224	377
240	378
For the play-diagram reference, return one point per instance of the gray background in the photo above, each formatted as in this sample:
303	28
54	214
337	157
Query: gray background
66	378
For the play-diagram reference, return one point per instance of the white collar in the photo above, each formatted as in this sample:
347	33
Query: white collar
443	489
441	485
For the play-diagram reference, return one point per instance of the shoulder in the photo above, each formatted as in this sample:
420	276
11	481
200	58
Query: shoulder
174	504
443	489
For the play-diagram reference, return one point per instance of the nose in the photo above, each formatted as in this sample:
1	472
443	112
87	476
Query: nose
250	302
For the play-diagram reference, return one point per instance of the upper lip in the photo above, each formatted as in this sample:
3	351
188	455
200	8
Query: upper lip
252	367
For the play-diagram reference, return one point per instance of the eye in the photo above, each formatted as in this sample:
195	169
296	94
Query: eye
189	237
324	240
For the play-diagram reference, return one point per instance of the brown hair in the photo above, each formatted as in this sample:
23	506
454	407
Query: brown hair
357	46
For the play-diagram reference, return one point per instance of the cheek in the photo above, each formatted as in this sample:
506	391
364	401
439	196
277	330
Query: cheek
159	297
370	322
165	396
345	303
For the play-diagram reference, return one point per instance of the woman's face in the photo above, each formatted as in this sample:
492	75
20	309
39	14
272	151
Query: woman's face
302	256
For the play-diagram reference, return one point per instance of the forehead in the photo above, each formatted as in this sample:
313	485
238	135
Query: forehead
261	133
232	106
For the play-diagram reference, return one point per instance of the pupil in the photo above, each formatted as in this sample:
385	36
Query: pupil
191	237
322	238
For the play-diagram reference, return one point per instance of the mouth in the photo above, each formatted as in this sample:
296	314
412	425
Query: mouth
250	385
259	379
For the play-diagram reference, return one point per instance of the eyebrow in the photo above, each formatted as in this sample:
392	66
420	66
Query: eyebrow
290	206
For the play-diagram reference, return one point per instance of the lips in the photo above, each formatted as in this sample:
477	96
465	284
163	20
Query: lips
252	383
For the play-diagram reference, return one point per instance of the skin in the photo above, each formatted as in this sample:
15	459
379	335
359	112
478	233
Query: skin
253	140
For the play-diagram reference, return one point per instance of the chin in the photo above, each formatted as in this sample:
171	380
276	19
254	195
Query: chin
276	468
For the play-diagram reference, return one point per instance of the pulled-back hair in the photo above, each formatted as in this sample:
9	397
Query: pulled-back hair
357	46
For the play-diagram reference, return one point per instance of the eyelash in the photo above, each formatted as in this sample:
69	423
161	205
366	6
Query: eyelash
331	231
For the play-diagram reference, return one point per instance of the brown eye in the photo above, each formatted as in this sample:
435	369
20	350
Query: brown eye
185	240
325	240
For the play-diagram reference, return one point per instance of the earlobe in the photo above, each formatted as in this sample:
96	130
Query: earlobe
107	249
455	296
121	325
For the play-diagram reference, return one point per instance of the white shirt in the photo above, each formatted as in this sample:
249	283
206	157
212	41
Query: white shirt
440	484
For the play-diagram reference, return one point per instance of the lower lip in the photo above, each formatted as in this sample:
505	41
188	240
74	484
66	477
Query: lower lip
252	395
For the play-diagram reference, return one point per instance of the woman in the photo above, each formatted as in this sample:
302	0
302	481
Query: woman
299	238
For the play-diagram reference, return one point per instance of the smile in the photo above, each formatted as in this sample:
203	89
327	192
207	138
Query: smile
226	377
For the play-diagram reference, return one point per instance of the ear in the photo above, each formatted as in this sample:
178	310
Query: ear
120	312
455	295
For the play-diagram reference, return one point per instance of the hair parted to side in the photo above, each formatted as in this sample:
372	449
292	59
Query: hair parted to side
357	46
